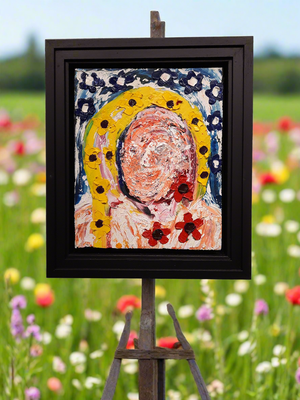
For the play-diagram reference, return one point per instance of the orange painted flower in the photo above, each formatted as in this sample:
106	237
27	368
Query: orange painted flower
128	302
157	234
170	342
182	188
189	226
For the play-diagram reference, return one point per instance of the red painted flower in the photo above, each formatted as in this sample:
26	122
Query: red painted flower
130	344
168	342
157	234
182	188
293	295
189	226
128	302
268	177
285	124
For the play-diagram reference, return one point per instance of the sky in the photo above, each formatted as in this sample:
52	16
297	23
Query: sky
273	23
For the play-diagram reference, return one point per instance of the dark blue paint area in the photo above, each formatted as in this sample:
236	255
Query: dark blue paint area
97	82
209	92
85	115
169	83
212	126
116	87
80	187
215	164
189	86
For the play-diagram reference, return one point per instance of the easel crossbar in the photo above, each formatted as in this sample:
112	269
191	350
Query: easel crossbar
155	354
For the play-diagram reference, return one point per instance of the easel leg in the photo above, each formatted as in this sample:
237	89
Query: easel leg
161	383
147	368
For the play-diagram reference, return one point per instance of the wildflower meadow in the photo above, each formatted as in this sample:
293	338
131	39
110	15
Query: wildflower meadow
58	336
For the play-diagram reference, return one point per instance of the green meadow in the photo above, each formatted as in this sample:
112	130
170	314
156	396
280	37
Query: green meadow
243	353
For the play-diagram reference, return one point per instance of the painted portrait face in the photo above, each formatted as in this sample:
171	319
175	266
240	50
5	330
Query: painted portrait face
148	158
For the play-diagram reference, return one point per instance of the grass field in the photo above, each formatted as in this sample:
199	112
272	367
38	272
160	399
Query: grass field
235	349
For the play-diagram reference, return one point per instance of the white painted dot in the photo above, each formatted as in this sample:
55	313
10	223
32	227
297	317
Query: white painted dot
165	77
85	107
215	121
193	81
215	91
121	81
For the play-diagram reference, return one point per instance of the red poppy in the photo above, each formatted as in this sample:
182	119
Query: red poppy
268	177
293	295
285	124
44	299
20	148
182	188
128	302
168	342
157	234
130	344
189	226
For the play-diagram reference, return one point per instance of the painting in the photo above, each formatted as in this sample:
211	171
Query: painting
148	158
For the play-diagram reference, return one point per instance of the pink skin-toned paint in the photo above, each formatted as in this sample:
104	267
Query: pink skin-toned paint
157	147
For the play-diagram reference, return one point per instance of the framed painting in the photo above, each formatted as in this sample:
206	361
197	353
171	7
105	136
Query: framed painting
149	148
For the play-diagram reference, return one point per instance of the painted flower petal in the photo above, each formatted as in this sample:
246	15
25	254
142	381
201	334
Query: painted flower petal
164	240
152	241
188	217
156	225
147	234
166	231
177	196
188	195
183	237
179	225
196	234
198	222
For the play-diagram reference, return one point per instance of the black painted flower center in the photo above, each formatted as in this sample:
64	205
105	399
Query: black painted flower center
157	234
104	124
203	150
204	174
170	104
189	227
100	189
183	188
99	223
109	155
132	102
92	157
195	121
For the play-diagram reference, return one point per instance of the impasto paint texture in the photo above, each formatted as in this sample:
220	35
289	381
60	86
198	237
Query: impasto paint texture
148	158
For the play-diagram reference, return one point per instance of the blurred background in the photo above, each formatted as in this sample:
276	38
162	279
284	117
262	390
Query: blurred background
246	335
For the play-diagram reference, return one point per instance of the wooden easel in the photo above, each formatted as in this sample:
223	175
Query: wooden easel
152	358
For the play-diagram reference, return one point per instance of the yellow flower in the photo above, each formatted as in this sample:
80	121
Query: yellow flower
100	224
131	102
12	275
41	289
195	121
103	124
166	100
268	219
203	176
160	291
35	241
91	157
100	188
109	154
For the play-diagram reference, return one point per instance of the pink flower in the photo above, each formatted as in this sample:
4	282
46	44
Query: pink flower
54	384
297	375
18	302
204	313
261	307
32	393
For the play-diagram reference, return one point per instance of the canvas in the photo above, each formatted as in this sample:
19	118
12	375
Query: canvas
148	158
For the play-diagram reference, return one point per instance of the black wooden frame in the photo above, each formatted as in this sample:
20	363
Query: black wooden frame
235	56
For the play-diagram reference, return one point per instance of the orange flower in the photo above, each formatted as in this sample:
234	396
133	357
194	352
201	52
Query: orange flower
127	303
293	295
45	299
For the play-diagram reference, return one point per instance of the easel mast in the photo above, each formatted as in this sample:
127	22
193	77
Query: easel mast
151	358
